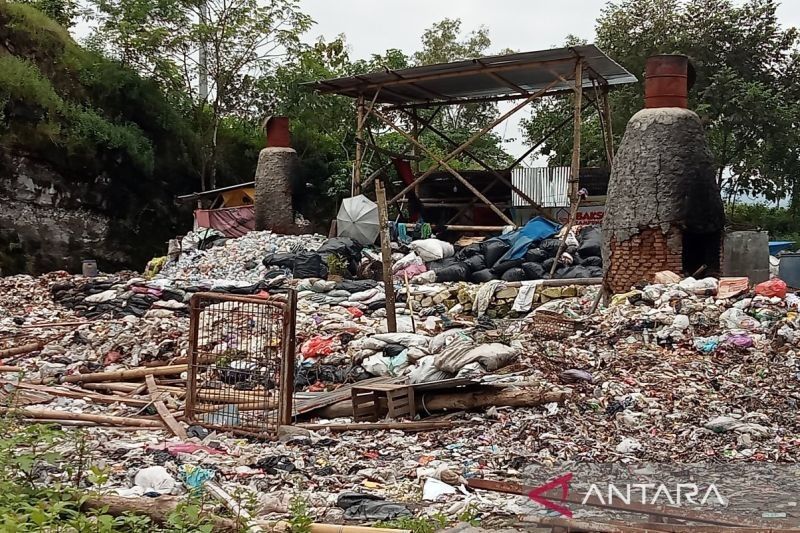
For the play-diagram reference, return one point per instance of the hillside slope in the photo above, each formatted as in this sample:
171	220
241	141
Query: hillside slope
91	154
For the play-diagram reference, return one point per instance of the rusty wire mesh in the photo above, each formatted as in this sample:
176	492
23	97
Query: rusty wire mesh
241	363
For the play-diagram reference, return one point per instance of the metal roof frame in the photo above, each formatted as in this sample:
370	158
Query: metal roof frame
492	78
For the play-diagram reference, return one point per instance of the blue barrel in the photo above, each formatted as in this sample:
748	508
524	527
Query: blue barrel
789	269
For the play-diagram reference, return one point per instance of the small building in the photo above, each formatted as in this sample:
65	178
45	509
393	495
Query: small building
230	209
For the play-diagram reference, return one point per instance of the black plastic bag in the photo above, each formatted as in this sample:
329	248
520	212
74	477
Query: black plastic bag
535	255
513	274
441	263
482	276
393	350
501	266
309	265
591	242
594	272
470	250
493	250
356	285
280	259
533	270
342	246
456	272
548	264
475	262
550	247
579	271
592	261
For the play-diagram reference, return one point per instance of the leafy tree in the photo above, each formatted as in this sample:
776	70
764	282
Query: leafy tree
62	11
185	44
746	75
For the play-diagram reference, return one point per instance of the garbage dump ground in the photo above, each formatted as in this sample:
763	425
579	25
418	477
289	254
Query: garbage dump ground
513	373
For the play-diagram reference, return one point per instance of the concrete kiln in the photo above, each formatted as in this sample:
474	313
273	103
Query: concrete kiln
663	209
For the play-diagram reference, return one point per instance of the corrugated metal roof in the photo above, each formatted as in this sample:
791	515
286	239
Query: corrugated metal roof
547	186
494	76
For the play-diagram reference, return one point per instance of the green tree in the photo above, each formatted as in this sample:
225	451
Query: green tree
212	51
746	74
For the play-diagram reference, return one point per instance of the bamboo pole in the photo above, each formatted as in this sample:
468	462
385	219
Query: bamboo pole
19	350
124	375
356	183
94	397
386	257
157	509
52	414
410	303
118	387
14	369
576	134
608	136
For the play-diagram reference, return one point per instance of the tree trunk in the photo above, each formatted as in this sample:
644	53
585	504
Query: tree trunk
157	509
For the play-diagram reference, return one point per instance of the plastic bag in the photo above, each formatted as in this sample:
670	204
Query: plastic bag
533	271
432	249
666	277
482	276
591	242
501	266
493	250
513	274
309	265
461	353
406	261
773	287
550	247
535	255
457	272
317	347
592	261
476	262
283	260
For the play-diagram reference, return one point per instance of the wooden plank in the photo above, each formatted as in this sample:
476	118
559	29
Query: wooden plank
161	408
123	375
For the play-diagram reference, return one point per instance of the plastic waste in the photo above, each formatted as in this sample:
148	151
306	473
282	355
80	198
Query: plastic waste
774	287
155	479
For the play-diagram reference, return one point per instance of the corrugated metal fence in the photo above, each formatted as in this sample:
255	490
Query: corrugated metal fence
547	186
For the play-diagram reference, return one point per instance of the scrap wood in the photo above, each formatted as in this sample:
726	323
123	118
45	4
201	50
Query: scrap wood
81	395
124	375
10	369
12	396
666	511
342	393
23	349
161	408
466	400
423	425
52	414
157	509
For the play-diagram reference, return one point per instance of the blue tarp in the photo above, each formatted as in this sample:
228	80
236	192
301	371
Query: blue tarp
536	229
779	246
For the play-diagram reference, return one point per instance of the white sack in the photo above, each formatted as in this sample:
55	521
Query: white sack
432	249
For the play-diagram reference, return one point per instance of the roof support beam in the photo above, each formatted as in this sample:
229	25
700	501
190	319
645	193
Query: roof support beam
443	163
472	139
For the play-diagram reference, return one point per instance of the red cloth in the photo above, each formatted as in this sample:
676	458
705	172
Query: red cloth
231	221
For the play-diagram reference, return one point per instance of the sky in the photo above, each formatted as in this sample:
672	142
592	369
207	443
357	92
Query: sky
372	26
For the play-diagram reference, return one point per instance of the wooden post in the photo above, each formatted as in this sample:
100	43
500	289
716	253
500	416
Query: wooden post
608	133
356	184
285	407
415	135
576	135
386	256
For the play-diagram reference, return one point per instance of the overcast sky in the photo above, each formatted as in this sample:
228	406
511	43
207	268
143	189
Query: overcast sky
372	26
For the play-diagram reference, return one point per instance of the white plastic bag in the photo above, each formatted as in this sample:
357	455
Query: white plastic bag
432	249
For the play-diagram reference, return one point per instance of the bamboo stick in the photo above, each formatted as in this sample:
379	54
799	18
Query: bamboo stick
386	257
66	415
118	387
123	375
11	369
19	350
69	393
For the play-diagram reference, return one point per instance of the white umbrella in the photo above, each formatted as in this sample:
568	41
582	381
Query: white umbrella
358	219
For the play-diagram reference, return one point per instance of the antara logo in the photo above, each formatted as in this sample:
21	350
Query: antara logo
609	493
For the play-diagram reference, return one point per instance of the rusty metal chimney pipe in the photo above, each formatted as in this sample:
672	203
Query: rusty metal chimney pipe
666	81
277	129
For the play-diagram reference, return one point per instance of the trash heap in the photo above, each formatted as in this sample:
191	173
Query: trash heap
681	371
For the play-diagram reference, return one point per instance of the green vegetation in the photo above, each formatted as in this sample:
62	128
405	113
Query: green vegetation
781	224
746	89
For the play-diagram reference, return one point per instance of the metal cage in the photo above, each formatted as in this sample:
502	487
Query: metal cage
241	363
